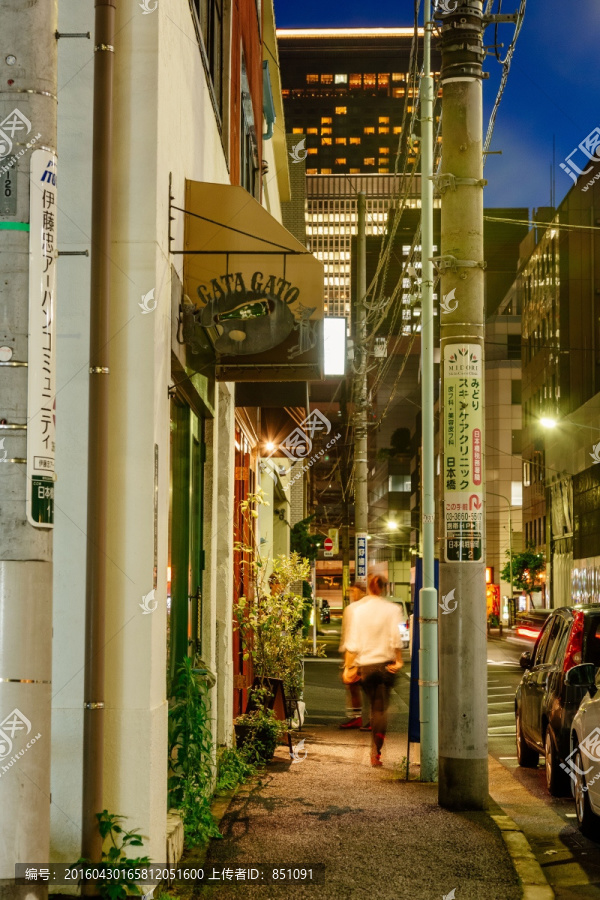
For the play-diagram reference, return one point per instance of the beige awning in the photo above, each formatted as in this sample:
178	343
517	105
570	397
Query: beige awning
258	291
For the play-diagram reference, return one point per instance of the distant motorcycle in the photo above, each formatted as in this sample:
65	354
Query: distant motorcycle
325	613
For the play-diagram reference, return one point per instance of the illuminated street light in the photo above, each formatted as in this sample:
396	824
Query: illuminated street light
392	525
270	446
547	422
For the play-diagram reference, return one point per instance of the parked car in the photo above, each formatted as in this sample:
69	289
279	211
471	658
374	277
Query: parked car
406	608
547	700
583	762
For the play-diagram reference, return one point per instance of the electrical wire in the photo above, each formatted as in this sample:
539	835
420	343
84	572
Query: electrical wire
506	62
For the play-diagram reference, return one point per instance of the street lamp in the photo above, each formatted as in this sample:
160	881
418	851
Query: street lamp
502	497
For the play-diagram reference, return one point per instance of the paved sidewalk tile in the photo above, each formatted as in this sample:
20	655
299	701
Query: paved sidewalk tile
377	835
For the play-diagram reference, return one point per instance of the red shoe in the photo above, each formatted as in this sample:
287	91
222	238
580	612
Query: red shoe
376	759
352	723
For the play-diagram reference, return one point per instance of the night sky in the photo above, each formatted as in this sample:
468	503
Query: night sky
553	86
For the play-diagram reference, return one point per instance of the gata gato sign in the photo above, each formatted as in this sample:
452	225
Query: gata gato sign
254	317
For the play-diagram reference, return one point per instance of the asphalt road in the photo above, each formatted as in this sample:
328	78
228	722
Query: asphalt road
570	860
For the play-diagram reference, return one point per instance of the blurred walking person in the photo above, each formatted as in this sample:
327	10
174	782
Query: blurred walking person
355	703
374	648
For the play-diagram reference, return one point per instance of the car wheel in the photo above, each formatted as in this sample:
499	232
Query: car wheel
526	757
556	781
589	822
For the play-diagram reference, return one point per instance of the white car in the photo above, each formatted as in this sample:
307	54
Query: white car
583	762
405	623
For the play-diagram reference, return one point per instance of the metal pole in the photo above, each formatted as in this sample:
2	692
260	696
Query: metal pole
503	497
28	198
428	619
463	760
361	513
93	718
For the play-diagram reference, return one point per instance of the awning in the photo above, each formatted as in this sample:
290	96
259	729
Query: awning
257	291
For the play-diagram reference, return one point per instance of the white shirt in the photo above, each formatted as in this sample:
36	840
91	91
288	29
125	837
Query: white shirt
346	619
374	633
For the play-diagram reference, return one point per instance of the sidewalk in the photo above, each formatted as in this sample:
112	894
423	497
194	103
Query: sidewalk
377	835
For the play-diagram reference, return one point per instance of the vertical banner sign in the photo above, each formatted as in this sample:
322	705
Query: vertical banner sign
360	545
42	341
334	534
463	496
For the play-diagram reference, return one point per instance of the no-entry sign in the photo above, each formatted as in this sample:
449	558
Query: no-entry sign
328	546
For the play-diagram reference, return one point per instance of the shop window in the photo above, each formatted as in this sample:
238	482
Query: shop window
209	19
341	110
326	142
369	81
369	161
341	140
312	79
341	79
369	129
340	161
326	79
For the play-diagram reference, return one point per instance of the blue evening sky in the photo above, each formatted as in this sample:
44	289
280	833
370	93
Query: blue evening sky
553	86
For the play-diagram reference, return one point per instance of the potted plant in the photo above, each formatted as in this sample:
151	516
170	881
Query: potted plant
270	622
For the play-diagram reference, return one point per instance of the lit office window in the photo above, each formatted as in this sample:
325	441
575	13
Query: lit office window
341	79
325	171
516	493
384	130
383	81
312	130
383	171
355	140
326	120
297	130
397	93
369	161
369	80
384	151
384	120
397	129
341	140
355	171
326	141
312	79
369	129
397	76
341	110
312	151
355	82
326	79
311	172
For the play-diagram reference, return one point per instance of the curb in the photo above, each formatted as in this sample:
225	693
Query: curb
533	880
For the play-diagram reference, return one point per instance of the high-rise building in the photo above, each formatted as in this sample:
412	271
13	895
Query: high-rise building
348	94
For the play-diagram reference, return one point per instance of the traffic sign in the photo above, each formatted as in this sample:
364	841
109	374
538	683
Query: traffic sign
328	545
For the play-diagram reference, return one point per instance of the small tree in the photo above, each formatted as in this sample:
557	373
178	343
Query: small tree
527	569
302	542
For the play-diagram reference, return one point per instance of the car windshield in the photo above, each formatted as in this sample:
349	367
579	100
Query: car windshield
591	639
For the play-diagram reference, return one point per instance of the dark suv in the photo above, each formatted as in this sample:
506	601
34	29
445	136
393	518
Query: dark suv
546	701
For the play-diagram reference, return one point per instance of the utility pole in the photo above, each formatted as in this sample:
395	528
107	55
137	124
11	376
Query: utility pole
428	603
361	499
28	210
463	759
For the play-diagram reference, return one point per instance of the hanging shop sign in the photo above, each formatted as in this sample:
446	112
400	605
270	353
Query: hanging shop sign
463	462
42	340
360	548
254	294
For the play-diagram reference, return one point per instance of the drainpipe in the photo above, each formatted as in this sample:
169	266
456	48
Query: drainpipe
93	716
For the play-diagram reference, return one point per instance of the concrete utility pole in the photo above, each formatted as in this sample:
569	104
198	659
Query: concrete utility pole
428	603
28	205
361	498
463	761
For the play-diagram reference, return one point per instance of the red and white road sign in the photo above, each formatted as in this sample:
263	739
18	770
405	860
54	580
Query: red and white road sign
328	545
